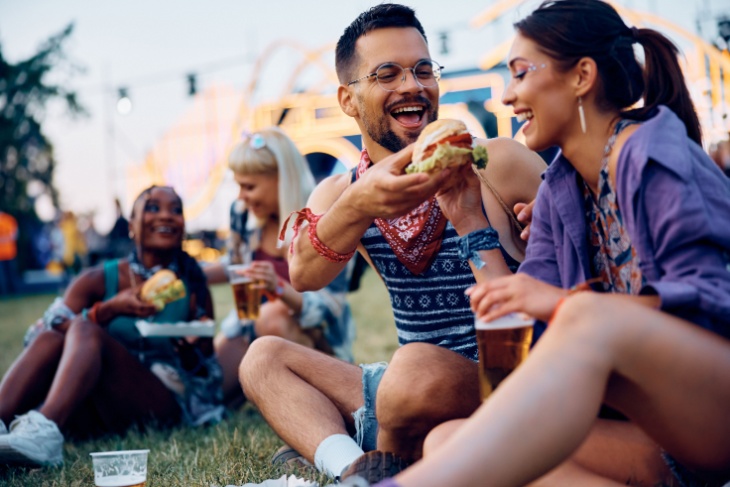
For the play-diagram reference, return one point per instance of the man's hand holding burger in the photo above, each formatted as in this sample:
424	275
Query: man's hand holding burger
385	191
446	146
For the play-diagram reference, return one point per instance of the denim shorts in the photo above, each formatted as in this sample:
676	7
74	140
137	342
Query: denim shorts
366	423
686	478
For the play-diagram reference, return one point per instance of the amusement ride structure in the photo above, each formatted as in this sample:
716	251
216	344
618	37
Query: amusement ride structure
195	161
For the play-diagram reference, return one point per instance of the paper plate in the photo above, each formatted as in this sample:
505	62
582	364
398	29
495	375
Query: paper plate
182	328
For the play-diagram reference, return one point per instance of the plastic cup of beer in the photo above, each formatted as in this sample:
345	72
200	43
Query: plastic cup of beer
246	292
127	468
503	345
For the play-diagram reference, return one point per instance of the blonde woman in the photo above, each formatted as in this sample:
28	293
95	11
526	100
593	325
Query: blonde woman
275	180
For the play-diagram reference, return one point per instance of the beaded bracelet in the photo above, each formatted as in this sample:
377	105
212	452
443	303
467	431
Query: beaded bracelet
472	243
317	244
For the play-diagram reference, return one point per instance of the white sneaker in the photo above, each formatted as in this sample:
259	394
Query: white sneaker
3	429
33	439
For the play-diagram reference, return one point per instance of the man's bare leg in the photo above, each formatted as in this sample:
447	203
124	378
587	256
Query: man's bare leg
304	395
423	386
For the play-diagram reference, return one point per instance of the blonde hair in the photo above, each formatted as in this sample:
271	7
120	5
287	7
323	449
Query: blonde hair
271	152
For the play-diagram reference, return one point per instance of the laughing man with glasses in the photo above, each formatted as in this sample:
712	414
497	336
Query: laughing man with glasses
391	76
409	227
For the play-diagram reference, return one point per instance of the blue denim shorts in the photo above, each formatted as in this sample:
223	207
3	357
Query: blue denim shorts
366	423
686	478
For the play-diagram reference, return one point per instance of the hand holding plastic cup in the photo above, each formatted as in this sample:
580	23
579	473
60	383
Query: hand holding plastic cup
126	468
503	345
246	292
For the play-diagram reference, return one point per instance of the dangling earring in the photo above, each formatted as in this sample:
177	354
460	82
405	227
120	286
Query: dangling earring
131	235
582	115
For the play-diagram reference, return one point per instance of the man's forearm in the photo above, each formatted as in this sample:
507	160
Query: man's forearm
339	229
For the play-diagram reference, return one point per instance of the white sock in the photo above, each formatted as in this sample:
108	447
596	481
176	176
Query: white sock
335	454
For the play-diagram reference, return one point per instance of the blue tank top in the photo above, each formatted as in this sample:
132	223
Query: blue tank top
430	307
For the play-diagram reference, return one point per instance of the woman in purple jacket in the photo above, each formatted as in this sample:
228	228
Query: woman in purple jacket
634	204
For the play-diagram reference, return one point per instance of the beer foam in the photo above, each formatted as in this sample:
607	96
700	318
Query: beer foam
512	320
120	481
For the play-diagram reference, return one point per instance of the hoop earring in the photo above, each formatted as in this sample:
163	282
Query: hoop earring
581	115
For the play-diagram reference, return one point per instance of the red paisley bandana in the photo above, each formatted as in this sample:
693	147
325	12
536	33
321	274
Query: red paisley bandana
414	237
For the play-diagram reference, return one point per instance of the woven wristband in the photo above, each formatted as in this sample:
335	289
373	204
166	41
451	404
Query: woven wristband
317	244
471	244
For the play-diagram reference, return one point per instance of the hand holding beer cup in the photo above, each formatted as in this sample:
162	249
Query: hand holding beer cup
246	291
263	272
505	310
503	345
518	293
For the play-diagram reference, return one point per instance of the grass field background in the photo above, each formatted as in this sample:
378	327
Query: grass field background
234	452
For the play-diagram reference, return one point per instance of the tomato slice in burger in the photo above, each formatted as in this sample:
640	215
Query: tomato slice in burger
460	140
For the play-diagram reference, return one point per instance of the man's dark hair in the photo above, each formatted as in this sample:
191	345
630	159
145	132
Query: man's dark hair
378	17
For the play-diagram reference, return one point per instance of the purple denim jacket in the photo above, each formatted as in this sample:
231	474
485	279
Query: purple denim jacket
675	204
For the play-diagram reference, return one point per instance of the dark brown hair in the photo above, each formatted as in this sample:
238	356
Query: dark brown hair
568	30
378	17
188	268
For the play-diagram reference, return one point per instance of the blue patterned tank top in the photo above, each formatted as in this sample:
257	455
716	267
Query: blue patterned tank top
430	307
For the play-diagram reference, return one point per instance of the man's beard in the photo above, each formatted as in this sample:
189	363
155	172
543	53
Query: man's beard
379	130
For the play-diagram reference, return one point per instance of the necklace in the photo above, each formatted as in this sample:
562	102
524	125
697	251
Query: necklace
138	268
620	125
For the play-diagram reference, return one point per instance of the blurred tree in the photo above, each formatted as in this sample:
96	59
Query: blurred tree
26	155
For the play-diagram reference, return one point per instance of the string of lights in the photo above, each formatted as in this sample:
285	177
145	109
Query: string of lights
190	77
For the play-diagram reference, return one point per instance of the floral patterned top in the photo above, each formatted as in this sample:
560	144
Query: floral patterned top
612	257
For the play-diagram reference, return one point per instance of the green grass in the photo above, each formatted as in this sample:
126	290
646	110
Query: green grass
236	451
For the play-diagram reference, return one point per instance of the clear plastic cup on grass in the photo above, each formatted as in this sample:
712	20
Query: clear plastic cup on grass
126	468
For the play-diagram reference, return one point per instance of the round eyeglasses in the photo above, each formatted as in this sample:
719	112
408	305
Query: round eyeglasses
391	76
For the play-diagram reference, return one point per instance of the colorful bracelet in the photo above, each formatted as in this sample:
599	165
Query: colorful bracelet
472	243
91	314
580	287
279	291
317	244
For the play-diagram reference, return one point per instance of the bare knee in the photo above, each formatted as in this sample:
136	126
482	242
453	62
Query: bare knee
439	435
48	340
82	332
220	342
425	385
275	320
264	355
581	312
